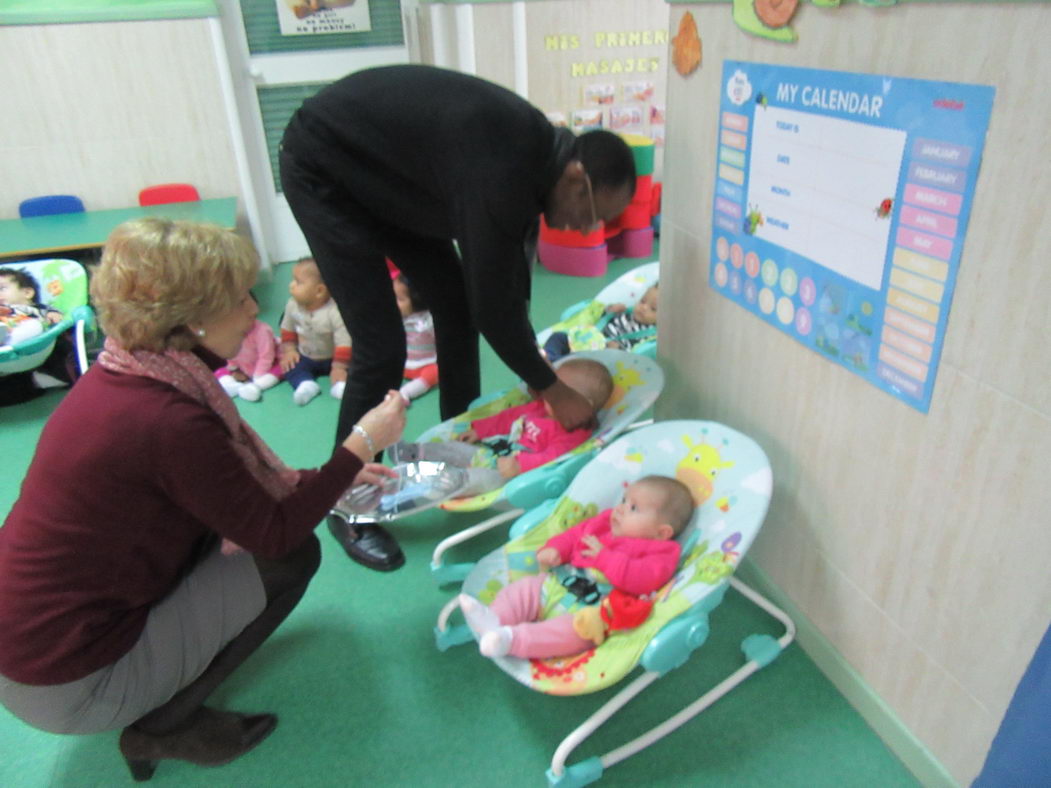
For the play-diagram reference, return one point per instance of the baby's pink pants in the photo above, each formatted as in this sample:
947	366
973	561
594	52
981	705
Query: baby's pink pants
518	606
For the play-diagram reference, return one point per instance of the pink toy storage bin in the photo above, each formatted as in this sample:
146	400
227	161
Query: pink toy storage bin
632	243
573	260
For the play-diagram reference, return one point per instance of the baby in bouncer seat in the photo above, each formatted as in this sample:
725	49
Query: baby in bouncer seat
625	327
633	548
516	439
22	316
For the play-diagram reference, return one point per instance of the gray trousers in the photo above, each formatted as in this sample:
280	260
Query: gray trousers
183	633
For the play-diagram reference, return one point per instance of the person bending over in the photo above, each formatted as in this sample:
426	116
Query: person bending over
447	175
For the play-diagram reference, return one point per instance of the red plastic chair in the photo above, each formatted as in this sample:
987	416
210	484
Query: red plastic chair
168	192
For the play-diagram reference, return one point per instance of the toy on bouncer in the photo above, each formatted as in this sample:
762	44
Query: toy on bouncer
729	478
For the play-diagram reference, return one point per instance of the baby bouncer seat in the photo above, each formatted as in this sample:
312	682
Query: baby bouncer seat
583	322
64	287
730	479
637	383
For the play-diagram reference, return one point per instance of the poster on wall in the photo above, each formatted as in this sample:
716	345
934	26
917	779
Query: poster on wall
317	17
840	210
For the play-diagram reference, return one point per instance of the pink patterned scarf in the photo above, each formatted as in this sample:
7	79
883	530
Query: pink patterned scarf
190	375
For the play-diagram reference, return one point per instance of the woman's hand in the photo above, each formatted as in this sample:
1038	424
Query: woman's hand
384	425
374	473
569	406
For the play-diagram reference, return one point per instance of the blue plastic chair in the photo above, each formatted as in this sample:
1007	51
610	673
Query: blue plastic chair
50	204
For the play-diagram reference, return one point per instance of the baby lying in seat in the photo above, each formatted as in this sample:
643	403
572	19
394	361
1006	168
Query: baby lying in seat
516	439
633	547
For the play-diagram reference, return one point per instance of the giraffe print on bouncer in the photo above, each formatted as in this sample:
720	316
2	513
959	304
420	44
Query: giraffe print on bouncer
698	469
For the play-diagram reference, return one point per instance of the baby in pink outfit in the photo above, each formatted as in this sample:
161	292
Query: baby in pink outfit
516	439
633	545
255	368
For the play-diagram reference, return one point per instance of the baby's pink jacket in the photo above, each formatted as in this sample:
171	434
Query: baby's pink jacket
258	352
543	438
635	566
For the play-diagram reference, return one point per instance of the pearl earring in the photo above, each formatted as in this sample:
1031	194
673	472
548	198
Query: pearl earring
200	332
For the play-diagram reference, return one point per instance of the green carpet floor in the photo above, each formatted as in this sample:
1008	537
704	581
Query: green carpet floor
365	698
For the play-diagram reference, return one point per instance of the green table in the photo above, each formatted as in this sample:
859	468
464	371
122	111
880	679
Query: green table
64	231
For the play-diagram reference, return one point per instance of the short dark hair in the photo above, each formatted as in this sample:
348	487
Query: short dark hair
24	281
607	159
419	303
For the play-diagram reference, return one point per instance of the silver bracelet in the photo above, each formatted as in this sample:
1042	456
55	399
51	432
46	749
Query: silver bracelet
368	438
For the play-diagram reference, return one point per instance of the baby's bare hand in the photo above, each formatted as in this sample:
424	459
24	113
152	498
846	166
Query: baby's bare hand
548	557
508	466
592	546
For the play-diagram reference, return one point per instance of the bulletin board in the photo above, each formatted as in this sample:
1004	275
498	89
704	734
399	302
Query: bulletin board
840	211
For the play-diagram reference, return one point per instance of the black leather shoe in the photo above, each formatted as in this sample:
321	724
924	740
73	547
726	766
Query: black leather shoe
370	545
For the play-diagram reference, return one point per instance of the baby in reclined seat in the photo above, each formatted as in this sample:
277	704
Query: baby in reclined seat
516	439
632	545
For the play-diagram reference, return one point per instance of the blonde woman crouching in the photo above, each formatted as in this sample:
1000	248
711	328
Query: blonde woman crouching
118	609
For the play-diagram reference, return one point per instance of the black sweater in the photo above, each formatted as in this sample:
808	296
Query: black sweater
445	155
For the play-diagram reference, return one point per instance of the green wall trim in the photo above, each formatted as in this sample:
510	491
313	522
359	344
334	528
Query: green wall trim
875	711
55	12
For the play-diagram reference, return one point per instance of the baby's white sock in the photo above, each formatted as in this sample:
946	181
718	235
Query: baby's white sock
250	392
496	642
305	392
229	384
337	389
480	618
265	381
413	389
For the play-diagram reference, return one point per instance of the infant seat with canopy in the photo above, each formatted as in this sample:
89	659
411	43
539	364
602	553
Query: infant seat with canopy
582	322
637	383
730	478
64	287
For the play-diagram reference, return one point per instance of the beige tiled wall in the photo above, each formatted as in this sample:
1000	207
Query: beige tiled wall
918	544
101	110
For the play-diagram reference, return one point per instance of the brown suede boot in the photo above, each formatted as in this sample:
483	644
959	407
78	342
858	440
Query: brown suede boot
209	738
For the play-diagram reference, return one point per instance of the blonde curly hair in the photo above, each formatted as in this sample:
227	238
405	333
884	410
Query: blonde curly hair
158	276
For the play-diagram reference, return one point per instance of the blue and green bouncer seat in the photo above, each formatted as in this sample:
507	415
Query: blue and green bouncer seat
64	287
730	478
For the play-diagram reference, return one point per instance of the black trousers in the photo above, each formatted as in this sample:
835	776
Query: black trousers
349	245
